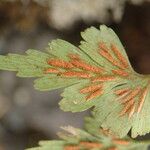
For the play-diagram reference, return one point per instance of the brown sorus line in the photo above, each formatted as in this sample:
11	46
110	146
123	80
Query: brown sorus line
113	148
51	70
131	95
94	94
107	56
91	144
74	56
91	88
131	111
75	74
142	99
121	92
120	72
105	53
71	148
121	142
103	78
60	63
119	55
85	66
127	107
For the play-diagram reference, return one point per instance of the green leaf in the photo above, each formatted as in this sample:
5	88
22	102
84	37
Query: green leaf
51	83
142	120
77	139
98	74
91	44
47	145
30	65
61	49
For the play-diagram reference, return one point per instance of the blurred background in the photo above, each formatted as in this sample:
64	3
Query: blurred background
27	115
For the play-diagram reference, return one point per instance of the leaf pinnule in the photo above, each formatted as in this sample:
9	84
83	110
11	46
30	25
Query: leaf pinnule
96	74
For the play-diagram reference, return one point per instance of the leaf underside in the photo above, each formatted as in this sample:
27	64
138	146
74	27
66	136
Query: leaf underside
97	73
77	139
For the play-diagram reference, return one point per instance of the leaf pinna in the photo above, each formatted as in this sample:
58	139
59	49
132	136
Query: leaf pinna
77	139
97	73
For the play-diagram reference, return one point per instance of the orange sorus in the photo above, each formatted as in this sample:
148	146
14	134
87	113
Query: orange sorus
51	70
119	55
85	66
121	142
72	148
75	74
91	144
103	78
120	72
131	111
94	94
142	99
132	94
121	92
104	51
112	148
60	63
127	107
91	88
74	56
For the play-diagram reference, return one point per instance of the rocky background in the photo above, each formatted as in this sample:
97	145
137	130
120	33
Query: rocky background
27	115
